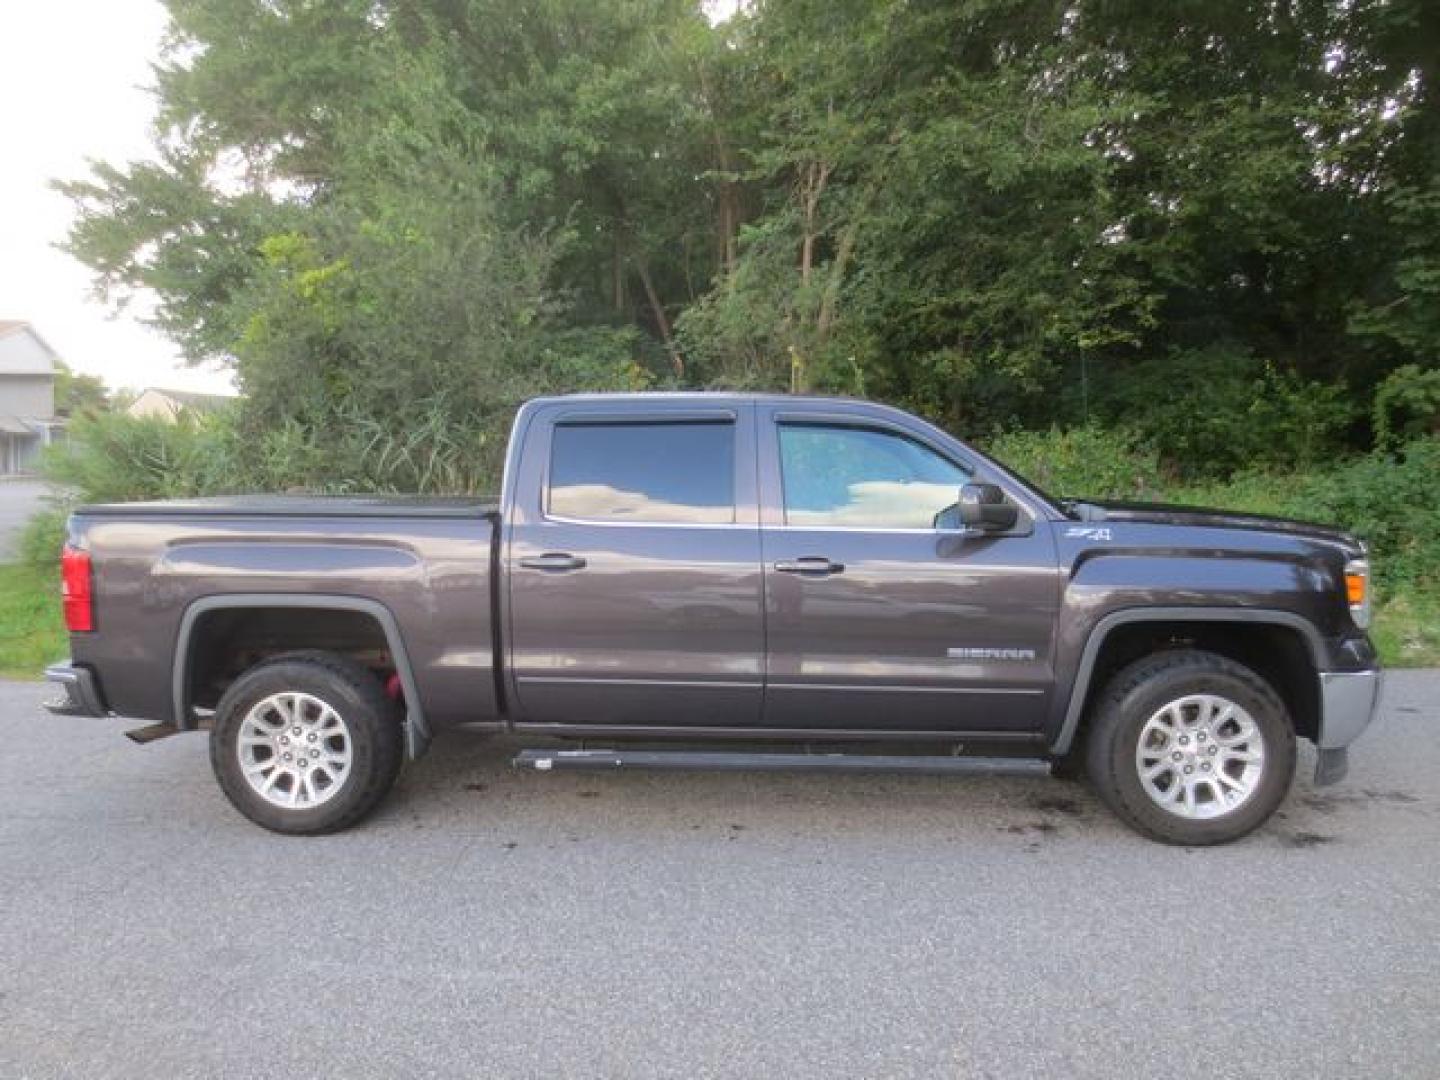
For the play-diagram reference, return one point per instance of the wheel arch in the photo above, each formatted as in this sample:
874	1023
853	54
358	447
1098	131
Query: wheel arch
417	732
1281	646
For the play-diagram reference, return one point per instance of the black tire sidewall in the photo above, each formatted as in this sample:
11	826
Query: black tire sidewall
1142	690
373	730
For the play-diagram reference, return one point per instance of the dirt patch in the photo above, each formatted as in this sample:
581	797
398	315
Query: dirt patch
1306	839
1402	797
1332	801
1044	828
1053	804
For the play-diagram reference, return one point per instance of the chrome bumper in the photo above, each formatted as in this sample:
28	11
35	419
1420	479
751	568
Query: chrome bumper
80	692
1348	702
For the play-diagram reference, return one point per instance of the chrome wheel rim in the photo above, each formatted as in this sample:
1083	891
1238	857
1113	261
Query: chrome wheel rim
295	750
1200	756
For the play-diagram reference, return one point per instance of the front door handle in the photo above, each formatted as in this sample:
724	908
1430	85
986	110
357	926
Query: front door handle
553	560
811	565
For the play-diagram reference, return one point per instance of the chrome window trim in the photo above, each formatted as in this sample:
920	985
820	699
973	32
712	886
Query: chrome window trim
960	534
561	520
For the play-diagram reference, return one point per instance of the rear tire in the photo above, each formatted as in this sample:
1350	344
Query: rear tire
306	743
1191	748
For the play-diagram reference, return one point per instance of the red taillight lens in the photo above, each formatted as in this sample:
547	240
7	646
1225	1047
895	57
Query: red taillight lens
75	587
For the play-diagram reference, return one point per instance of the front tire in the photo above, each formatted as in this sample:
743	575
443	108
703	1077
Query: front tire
1191	748
306	743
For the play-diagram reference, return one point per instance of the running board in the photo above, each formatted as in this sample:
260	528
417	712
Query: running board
722	761
152	732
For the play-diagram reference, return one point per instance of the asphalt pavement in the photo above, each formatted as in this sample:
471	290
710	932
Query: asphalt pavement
488	923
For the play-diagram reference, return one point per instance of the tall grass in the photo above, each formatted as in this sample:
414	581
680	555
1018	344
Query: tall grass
121	458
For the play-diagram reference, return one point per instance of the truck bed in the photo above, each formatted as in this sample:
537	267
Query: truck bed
175	582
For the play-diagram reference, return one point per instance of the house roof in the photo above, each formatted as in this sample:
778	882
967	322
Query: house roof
189	398
11	327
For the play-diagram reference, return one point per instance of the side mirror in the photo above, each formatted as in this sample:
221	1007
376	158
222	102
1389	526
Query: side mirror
983	507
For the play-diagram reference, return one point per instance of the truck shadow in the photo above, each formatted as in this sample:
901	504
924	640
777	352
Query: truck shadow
467	784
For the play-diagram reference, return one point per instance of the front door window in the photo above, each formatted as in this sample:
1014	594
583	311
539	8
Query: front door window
862	478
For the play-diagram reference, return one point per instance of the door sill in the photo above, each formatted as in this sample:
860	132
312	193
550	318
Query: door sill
805	734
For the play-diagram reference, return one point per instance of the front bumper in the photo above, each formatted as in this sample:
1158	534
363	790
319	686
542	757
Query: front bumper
80	691
1348	703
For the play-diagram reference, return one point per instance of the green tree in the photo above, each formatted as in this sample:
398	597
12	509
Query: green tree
997	212
78	395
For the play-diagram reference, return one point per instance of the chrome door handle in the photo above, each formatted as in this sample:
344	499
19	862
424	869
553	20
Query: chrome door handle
814	565
553	560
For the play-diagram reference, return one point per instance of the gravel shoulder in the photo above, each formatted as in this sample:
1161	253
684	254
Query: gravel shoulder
492	923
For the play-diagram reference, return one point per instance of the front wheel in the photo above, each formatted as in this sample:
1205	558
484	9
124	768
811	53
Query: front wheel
1191	748
306	743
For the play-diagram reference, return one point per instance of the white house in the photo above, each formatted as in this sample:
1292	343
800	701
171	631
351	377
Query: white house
27	396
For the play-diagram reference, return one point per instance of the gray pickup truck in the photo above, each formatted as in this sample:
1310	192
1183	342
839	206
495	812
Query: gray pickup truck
729	581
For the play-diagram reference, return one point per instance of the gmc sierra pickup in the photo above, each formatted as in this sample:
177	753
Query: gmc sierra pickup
729	581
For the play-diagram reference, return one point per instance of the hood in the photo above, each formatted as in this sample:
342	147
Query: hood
1164	514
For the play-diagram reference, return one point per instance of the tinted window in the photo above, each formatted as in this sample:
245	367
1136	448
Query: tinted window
860	477
644	472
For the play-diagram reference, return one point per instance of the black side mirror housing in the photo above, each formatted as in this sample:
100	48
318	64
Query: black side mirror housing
983	507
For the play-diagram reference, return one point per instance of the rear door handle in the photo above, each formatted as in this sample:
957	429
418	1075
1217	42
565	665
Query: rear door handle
553	560
813	565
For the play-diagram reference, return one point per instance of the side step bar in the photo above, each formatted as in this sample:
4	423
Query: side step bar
151	732
722	761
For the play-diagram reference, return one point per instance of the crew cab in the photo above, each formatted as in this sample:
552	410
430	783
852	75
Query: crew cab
729	581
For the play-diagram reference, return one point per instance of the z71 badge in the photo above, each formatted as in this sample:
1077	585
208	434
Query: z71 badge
1088	532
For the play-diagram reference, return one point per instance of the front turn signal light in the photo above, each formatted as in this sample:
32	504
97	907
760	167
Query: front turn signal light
1357	591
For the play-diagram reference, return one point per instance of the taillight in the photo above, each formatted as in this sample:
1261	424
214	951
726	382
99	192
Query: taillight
76	589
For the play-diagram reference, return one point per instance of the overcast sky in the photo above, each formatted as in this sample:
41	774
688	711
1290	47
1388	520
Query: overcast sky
72	84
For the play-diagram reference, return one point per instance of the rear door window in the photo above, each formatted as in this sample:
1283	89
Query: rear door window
663	473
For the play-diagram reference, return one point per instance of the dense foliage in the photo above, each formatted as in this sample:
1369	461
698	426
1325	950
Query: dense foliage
1215	222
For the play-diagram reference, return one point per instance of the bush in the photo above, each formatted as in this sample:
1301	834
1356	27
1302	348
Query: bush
119	458
1407	406
1218	410
1090	462
1393	502
42	539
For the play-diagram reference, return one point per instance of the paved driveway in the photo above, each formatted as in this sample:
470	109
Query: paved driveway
494	924
19	501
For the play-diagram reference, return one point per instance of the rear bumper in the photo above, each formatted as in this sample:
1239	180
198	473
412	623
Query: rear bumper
79	691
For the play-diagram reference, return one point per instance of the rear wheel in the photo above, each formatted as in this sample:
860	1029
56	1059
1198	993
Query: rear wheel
306	743
1191	748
